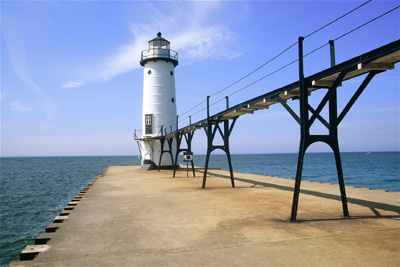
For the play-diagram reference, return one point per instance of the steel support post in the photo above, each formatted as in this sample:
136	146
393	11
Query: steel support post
334	142
206	164
332	52
335	147
331	139
304	132
178	139
169	150
306	139
208	130
188	137
225	134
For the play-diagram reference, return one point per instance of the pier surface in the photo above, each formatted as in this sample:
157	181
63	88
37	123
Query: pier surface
146	218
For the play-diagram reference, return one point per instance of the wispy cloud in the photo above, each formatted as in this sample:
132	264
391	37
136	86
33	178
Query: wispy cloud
125	59
190	30
16	106
73	84
215	42
14	39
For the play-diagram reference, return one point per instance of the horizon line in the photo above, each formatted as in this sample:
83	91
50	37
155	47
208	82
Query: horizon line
272	153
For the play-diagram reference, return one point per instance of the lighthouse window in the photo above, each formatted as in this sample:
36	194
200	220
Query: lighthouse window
148	121
149	72
172	73
172	100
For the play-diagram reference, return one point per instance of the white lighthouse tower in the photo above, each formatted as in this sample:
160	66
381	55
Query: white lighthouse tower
159	102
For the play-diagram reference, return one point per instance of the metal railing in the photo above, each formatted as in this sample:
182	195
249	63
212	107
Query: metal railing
159	53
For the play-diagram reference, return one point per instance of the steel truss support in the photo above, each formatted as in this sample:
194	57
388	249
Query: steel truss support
163	139
211	128
306	139
188	137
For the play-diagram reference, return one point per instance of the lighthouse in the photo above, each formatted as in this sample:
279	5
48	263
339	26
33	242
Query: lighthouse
159	101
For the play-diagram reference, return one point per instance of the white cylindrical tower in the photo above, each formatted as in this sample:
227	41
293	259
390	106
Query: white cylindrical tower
159	102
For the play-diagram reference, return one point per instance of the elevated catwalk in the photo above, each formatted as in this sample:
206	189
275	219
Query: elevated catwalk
368	64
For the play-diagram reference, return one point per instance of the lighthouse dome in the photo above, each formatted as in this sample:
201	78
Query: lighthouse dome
159	49
159	42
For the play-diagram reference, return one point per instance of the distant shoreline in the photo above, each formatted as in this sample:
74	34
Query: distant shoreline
215	153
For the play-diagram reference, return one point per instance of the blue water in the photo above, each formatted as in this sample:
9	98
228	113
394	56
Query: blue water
377	170
35	190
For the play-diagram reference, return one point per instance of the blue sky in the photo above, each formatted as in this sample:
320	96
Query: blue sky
71	82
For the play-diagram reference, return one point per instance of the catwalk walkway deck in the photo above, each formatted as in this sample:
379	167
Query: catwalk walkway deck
146	218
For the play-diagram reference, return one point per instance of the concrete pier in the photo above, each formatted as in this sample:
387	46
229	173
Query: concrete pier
146	218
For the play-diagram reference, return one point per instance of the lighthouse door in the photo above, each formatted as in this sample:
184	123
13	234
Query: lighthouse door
149	123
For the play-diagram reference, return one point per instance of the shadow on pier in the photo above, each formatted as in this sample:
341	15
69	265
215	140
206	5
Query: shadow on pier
372	205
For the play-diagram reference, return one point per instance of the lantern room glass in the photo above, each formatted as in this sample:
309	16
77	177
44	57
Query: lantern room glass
159	44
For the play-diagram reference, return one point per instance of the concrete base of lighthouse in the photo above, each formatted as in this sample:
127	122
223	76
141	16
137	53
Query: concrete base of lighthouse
151	152
149	165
